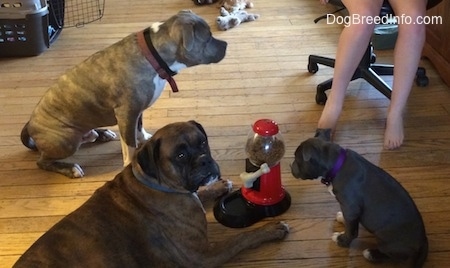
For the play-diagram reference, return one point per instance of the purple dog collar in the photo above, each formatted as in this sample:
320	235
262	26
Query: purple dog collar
336	168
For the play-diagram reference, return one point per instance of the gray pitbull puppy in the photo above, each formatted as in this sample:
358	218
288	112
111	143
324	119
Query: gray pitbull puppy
149	215
367	195
114	86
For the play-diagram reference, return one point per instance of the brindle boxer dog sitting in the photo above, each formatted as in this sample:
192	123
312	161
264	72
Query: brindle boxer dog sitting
367	195
114	86
149	215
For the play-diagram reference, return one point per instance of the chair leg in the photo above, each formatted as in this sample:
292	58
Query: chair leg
313	60
367	70
321	97
377	82
383	69
421	78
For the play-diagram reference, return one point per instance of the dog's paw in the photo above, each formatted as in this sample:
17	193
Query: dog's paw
335	236
283	229
228	185
214	189
221	187
278	229
77	171
340	217
105	135
143	136
341	239
283	225
91	136
374	255
67	169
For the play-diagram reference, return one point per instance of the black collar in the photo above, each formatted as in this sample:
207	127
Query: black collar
150	53
152	183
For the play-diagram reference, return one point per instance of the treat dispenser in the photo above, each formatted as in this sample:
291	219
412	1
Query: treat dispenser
262	194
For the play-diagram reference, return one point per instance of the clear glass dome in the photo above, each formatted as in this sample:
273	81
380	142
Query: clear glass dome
265	144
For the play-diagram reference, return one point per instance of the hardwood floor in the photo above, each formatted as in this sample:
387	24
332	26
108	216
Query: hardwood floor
264	75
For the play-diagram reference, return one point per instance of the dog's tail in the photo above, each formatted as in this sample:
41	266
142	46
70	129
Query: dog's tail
422	255
26	139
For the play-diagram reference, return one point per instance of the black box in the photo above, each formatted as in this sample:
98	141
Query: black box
24	27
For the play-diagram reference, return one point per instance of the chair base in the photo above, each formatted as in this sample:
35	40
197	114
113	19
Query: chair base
367	70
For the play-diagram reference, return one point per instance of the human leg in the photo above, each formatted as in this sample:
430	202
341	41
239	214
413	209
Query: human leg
407	52
351	47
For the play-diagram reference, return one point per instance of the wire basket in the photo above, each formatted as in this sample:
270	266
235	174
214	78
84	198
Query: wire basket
77	13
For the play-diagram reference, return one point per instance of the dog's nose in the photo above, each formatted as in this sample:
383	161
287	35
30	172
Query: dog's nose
204	160
220	51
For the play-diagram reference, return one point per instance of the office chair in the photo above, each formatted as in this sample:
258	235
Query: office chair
367	68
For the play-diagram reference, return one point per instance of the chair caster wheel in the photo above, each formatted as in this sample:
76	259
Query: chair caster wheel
313	68
321	98
373	58
422	81
421	77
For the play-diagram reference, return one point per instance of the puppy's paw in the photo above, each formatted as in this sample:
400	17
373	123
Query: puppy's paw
374	255
340	217
335	236
341	239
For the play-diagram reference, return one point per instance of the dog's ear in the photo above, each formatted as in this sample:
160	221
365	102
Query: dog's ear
199	126
184	22
188	37
147	157
309	149
307	152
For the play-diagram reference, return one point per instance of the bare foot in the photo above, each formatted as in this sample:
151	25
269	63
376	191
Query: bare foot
393	135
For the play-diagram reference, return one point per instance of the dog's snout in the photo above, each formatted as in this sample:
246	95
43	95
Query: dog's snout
205	160
222	44
295	170
220	50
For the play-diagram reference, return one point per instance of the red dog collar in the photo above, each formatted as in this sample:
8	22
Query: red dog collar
150	53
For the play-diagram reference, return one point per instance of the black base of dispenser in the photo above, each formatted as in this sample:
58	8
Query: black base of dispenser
234	211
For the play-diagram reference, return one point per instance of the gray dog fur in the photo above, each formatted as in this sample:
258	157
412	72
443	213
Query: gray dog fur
114	86
149	215
370	196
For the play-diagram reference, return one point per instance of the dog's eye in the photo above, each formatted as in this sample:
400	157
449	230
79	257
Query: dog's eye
181	156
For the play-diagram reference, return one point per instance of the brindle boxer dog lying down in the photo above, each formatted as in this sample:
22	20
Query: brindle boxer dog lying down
367	195
150	214
114	86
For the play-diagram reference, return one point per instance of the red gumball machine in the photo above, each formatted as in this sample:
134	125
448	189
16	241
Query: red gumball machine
262	194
